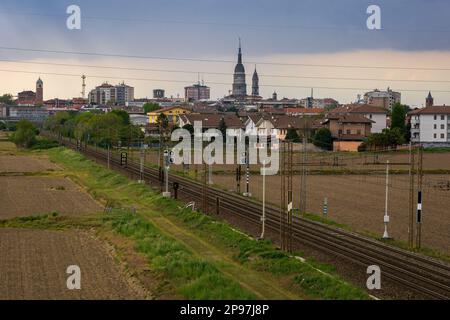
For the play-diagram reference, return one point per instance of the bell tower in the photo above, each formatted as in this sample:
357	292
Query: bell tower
39	91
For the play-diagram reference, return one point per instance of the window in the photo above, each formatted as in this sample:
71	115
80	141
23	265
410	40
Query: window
435	126
370	116
340	131
349	131
435	117
442	117
443	126
442	136
359	132
435	135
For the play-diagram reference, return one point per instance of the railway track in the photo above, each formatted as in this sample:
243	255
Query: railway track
426	276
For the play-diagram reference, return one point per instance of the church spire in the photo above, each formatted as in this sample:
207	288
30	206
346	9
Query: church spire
240	52
255	83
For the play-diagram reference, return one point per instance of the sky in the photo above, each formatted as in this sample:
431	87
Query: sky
294	45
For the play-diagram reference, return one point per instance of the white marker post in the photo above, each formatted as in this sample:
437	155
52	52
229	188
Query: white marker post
386	216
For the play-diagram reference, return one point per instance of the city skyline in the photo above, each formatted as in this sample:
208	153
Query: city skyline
328	35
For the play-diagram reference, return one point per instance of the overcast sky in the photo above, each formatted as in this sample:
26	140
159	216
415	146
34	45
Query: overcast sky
415	33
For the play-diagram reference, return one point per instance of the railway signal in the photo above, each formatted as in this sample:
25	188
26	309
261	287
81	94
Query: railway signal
325	207
123	159
168	160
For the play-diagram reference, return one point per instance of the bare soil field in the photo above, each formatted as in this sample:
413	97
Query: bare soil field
26	196
33	265
358	201
25	164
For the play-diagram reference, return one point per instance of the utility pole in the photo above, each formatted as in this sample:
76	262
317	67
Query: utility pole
83	86
263	217
286	197
109	156
386	216
419	199
141	167
411	198
204	189
302	204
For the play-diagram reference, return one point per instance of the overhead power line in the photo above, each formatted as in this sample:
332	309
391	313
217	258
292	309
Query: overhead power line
215	83
117	55
334	28
217	73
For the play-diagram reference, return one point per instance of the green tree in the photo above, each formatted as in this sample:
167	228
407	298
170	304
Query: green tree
398	117
25	135
150	107
106	128
7	99
292	135
323	139
389	138
123	115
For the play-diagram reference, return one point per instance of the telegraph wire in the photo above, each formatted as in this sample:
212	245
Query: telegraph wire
215	83
217	73
117	55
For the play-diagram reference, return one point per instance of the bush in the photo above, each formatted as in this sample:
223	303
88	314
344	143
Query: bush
25	135
323	139
44	144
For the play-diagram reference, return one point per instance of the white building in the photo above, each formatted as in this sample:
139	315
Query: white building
431	125
120	94
377	114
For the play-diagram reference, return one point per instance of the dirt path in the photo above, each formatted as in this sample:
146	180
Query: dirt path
262	285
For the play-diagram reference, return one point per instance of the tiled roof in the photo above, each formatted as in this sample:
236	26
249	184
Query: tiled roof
305	110
358	108
433	110
213	120
349	118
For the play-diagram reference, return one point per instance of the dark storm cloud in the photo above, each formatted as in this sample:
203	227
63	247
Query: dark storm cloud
211	28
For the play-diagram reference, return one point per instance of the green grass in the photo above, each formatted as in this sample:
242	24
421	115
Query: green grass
194	277
263	256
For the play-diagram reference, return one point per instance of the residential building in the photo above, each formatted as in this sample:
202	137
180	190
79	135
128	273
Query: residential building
431	125
102	94
171	113
26	98
385	99
301	112
197	92
159	94
107	93
123	94
212	121
16	113
348	130
377	114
